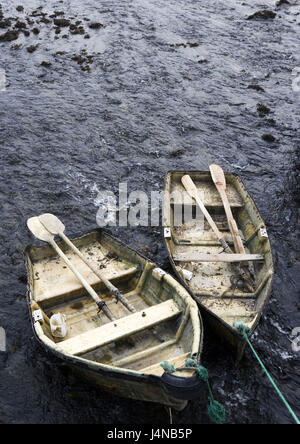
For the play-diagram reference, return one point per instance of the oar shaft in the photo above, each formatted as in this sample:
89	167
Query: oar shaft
86	285
213	225
238	244
193	192
105	281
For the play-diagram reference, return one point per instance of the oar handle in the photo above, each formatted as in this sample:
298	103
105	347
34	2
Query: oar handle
86	285
114	290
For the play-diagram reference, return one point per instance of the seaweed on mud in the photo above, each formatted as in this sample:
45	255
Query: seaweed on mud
262	15
9	36
263	110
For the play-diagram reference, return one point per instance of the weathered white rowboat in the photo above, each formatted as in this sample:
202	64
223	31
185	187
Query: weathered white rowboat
121	356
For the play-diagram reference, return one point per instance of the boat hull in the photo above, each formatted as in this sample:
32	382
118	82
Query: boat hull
145	388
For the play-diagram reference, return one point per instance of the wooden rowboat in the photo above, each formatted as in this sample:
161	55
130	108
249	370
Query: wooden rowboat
121	356
200	263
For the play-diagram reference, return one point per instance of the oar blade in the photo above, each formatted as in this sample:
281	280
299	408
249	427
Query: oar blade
189	185
52	223
218	176
38	230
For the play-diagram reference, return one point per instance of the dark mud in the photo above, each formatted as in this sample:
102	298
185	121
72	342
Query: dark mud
173	85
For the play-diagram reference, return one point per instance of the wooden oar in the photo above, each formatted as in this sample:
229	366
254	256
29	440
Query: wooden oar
193	192
218	177
55	226
40	232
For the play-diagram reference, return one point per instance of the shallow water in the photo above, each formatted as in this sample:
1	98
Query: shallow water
147	107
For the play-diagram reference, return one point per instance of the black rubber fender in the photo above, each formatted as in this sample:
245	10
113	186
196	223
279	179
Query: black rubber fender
183	388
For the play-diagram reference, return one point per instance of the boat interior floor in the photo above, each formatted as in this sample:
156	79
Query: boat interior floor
216	284
140	340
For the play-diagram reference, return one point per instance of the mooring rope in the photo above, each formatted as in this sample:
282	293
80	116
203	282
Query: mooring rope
216	411
244	330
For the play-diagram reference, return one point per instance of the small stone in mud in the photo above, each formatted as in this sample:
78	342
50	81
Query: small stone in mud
46	64
36	31
32	48
85	68
57	30
87	36
264	14
58	53
61	22
193	45
79	59
263	110
268	138
20	8
178	152
202	61
57	14
45	20
256	87
95	25
271	122
282	2
26	33
177	45
76	30
5	23
9	36
16	47
20	25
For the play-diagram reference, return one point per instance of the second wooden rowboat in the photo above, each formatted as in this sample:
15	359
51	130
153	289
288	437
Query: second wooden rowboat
200	263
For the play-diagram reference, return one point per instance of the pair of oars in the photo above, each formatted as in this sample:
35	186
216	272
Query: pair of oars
193	192
219	179
45	227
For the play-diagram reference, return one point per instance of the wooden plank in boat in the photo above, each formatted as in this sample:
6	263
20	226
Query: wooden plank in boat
57	285
178	362
120	328
223	257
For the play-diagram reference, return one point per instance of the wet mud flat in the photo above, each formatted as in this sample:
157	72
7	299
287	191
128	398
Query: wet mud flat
123	92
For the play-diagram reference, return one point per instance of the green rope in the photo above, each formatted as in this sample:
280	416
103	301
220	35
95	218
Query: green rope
169	368
216	411
244	331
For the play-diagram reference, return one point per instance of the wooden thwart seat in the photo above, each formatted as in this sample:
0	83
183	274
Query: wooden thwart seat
120	328
223	257
53	290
